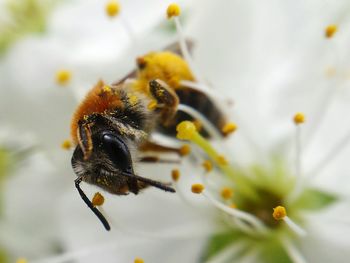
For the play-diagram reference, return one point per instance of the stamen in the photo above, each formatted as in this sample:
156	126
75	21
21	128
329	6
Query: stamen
187	131
338	148
208	165
112	8
173	12
249	218
197	188
330	31
138	260
227	193
63	77
299	118
293	253
229	128
209	127
175	174
98	199
185	150
280	213
66	144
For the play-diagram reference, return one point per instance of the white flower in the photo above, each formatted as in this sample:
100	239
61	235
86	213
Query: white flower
271	59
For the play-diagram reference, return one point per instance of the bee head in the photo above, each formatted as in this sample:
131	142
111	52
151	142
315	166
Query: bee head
101	152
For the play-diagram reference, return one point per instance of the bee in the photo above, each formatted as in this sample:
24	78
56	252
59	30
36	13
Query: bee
114	122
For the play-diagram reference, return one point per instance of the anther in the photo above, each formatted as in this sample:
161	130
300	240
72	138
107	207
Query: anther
207	165
21	260
197	188
299	118
175	174
66	144
173	10
330	31
112	8
229	128
222	160
279	213
185	130
139	260
63	77
185	150
98	199
226	193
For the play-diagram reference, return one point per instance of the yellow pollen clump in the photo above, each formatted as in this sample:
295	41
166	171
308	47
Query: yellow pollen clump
197	188
133	99
152	105
106	89
139	260
173	10
185	130
21	260
226	193
66	144
208	166
222	160
98	199
185	150
229	128
299	118
279	213
175	174
112	8
63	77
330	31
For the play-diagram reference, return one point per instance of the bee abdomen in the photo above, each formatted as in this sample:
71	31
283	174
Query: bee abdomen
200	102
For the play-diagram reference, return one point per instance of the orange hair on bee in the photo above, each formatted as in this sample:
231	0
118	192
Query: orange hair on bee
101	98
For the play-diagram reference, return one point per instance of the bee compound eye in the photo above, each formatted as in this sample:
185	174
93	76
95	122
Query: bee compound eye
117	151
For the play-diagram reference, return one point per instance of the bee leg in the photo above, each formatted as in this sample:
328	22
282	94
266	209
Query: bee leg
156	159
84	139
149	146
151	182
166	97
90	205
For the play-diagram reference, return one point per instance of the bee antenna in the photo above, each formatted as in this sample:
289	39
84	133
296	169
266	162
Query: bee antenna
90	205
151	182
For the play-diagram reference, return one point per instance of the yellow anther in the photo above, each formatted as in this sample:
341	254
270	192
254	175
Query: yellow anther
139	260
222	160
279	213
66	144
226	193
299	118
185	130
330	31
98	199
175	174
185	150
112	8
63	77
208	166
21	260
152	105
197	188
173	10
229	128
